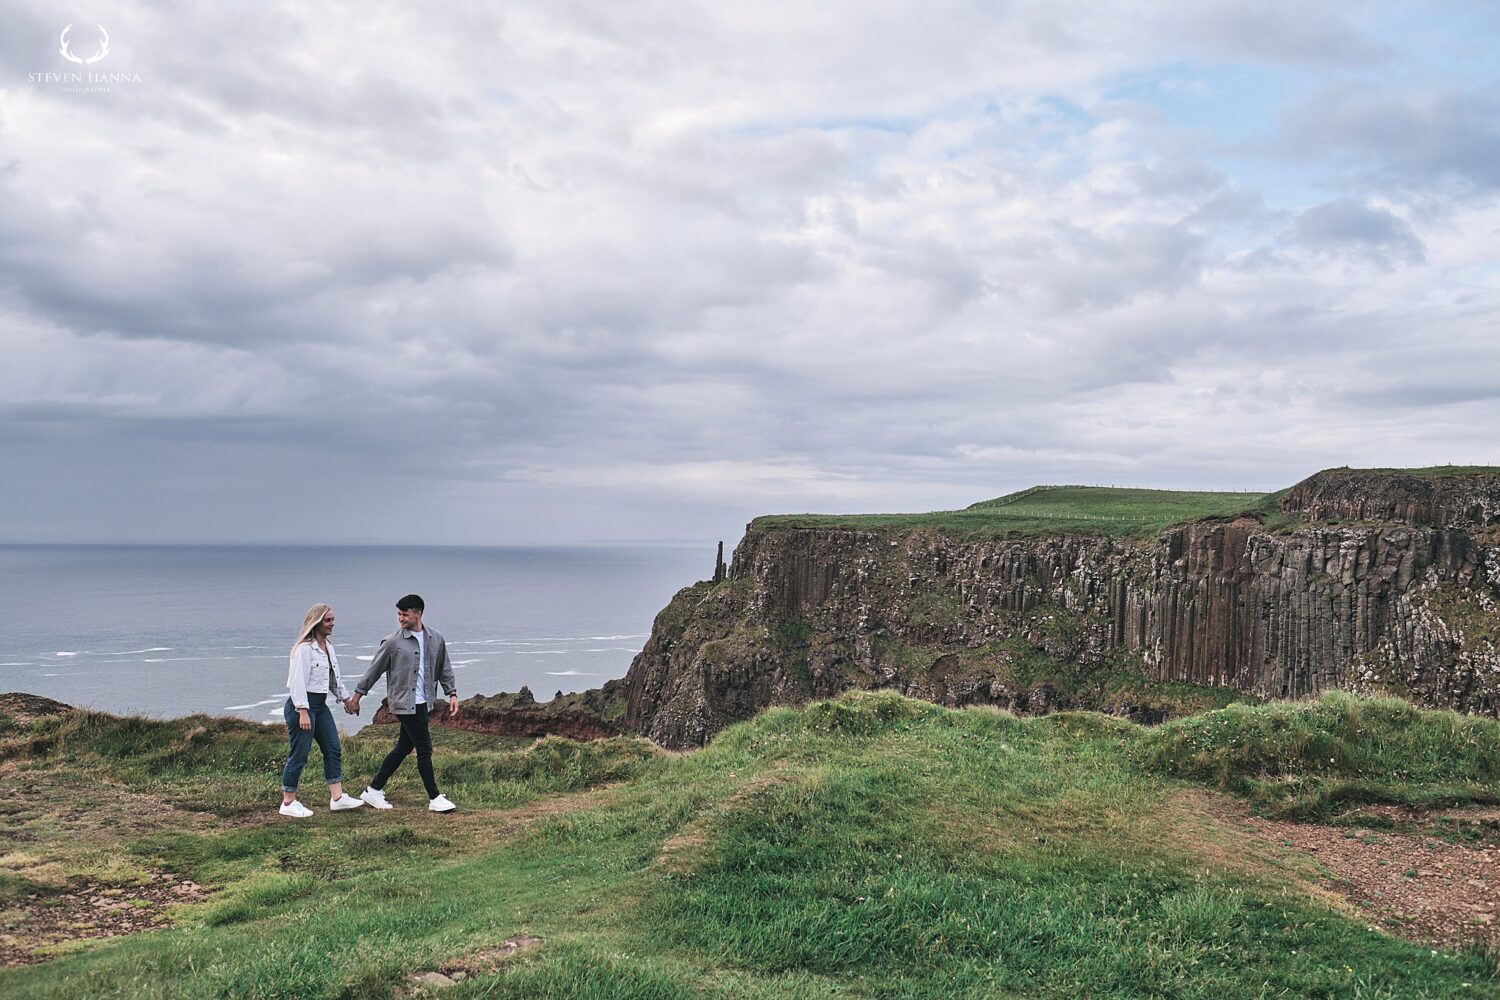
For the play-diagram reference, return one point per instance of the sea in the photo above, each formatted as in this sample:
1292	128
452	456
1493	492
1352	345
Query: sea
165	631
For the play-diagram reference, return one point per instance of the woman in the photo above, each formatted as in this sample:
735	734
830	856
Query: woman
313	675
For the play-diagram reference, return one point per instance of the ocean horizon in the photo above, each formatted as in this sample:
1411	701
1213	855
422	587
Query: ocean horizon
171	630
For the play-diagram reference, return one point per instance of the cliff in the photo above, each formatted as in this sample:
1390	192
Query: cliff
580	716
1372	581
1451	500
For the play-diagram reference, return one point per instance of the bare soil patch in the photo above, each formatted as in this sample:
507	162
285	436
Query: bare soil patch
31	927
1400	868
474	964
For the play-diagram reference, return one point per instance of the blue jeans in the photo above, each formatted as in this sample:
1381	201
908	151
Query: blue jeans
323	730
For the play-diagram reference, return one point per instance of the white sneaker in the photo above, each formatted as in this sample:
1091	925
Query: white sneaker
345	801
376	798
440	805
295	808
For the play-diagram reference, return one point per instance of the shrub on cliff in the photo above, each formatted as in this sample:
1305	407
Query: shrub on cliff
196	744
1307	758
864	713
556	764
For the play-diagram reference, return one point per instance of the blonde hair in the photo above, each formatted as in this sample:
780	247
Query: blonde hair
310	623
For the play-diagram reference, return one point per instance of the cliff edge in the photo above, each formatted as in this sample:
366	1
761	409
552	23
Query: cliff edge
1368	580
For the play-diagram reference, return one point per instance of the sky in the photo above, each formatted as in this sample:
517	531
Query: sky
553	272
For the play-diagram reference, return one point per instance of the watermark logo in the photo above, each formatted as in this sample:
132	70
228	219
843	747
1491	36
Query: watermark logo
83	43
64	45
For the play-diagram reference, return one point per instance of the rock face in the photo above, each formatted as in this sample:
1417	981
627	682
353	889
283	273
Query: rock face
1458	501
578	716
1404	602
24	708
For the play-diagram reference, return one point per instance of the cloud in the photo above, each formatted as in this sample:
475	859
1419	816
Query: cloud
1355	229
1431	139
1279	31
524	269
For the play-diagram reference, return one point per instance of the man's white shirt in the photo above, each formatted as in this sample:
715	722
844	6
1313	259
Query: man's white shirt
421	667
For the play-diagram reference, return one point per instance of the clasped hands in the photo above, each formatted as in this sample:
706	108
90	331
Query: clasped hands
351	705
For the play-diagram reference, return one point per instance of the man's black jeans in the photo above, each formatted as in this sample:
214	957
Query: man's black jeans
414	734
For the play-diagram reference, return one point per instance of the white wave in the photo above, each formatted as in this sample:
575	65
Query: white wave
544	640
258	704
367	659
538	640
153	649
571	673
607	649
462	663
64	654
249	647
498	642
185	659
17	664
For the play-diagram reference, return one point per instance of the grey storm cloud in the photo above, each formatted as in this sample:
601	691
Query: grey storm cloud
1432	138
1281	32
1350	227
552	271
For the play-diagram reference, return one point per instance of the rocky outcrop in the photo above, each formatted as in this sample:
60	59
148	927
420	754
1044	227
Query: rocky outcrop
1448	501
1404	602
579	716
21	708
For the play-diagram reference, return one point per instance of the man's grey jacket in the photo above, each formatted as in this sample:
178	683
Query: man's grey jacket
398	655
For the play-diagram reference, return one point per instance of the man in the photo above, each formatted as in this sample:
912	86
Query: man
414	659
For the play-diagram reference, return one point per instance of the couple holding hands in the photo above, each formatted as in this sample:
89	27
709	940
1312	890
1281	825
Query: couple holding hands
414	659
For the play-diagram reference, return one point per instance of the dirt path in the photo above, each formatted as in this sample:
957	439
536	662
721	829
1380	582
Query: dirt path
1430	877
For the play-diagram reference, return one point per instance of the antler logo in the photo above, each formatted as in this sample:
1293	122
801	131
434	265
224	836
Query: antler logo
67	53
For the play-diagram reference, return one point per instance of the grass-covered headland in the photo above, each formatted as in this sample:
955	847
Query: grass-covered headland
1112	511
1043	510
868	846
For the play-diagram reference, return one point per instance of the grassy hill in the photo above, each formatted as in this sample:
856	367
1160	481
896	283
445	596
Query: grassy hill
1096	510
1101	510
869	846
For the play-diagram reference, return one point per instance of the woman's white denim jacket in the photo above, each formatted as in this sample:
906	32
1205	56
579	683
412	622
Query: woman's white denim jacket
306	658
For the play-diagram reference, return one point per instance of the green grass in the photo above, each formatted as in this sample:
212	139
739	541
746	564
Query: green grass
1099	510
866	846
1095	510
1307	760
